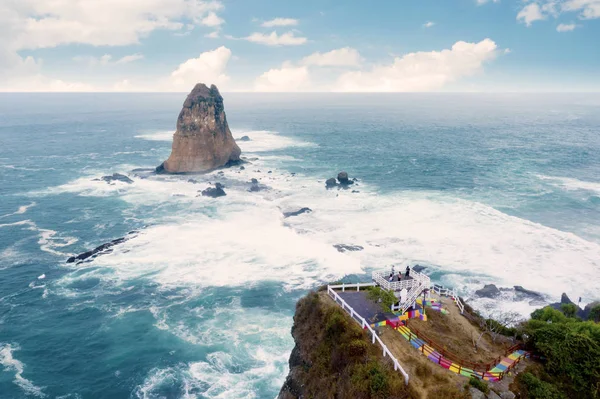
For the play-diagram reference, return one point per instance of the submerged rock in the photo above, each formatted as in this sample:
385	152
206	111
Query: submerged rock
244	138
343	179
214	192
331	183
116	177
531	294
488	291
346	247
296	213
255	186
103	249
203	140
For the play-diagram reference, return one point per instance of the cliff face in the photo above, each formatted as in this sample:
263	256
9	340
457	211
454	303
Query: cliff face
203	140
333	357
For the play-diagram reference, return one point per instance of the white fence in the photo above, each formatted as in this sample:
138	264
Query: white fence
363	323
449	292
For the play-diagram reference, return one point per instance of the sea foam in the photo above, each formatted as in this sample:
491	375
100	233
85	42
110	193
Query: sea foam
10	363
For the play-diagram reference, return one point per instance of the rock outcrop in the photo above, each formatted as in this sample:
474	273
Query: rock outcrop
296	213
214	192
347	247
203	140
103	249
116	177
488	291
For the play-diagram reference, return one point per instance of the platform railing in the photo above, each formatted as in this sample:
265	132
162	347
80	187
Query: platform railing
440	290
363	323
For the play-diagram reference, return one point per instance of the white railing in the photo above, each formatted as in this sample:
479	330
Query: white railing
414	286
363	323
449	292
381	278
358	286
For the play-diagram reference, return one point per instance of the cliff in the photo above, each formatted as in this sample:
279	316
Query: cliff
203	140
333	357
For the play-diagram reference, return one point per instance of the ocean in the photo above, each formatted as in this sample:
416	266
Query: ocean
478	188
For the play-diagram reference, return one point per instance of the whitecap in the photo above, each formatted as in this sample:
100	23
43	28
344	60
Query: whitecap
21	210
264	140
10	363
163	135
571	184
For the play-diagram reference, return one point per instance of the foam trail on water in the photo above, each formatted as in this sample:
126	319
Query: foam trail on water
571	184
21	210
264	140
240	363
10	363
48	239
157	136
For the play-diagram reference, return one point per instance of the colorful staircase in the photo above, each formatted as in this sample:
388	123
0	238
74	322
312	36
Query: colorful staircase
495	374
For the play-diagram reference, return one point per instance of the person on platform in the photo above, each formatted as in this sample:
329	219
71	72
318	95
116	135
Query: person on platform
407	271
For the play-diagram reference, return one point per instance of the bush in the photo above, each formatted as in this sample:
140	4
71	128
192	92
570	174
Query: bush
387	298
569	309
571	352
595	313
479	384
534	388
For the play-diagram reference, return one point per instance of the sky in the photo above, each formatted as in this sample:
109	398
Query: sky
300	46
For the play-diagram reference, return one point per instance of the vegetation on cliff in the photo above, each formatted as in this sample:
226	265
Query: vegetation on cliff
569	354
334	358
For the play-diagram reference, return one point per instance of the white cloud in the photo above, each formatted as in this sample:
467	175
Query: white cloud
480	2
213	35
106	59
208	68
280	22
345	56
212	20
421	71
273	39
566	27
38	24
129	58
589	9
530	13
428	24
285	79
541	9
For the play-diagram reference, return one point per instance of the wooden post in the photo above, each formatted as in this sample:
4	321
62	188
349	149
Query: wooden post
343	287
357	287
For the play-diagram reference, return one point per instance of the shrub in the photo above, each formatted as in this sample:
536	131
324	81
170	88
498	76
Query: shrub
387	298
534	388
595	313
479	384
569	309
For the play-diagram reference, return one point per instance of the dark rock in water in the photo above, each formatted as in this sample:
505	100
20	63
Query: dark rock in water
242	167
488	291
214	192
256	186
418	268
160	169
346	247
296	213
531	294
244	138
103	249
355	191
565	300
331	183
193	181
116	177
343	179
269	172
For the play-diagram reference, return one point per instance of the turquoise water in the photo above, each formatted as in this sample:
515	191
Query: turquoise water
479	188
